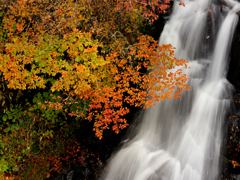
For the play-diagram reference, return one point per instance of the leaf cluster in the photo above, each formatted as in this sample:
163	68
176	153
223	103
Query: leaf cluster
68	60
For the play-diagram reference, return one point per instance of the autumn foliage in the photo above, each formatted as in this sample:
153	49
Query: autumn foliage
88	57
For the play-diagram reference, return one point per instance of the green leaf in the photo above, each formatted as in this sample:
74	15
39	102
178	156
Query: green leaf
10	116
62	122
35	106
35	99
7	129
45	94
4	118
78	59
31	109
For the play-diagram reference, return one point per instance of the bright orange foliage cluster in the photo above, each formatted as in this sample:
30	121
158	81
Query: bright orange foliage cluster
149	8
182	4
92	51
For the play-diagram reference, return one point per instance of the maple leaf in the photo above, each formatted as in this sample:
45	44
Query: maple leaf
181	4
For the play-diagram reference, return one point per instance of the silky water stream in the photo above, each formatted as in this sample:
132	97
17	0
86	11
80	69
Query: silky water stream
181	139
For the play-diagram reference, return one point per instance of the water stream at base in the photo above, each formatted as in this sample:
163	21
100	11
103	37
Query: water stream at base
181	139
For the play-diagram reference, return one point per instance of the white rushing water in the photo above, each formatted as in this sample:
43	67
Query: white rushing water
181	139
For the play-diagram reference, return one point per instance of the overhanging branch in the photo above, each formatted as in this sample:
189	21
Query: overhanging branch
227	3
230	4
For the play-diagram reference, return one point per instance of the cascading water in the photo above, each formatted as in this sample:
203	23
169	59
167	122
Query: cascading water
181	139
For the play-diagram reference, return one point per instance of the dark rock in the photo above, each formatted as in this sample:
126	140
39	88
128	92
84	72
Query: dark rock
231	157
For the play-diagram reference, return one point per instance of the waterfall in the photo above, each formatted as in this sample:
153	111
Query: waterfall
181	139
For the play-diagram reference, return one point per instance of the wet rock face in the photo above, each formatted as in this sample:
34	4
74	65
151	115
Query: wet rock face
232	141
232	166
233	147
231	157
234	66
